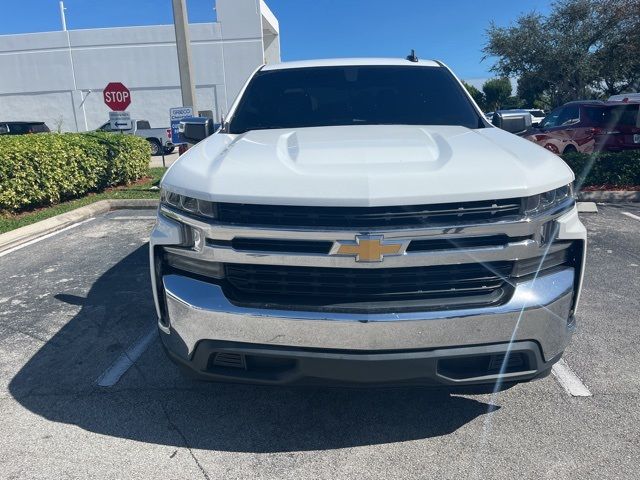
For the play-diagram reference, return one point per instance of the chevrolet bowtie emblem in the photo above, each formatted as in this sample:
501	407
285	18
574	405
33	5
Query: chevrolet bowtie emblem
368	248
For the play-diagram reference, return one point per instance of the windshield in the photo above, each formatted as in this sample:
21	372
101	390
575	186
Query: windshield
623	116
353	95
552	119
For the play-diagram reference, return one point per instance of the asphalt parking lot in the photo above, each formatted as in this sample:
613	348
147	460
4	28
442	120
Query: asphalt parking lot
75	304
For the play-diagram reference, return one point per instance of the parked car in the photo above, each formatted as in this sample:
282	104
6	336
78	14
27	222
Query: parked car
359	221
588	126
22	128
158	138
537	116
621	127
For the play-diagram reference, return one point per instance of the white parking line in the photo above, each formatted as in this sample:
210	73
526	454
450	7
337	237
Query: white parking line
43	237
134	217
124	362
569	380
631	215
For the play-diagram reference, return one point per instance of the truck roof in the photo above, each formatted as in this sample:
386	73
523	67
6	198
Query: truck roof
607	103
625	97
343	62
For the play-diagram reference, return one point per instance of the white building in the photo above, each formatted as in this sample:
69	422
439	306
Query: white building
46	76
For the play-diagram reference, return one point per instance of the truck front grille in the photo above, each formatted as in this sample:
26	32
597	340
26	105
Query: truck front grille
458	256
279	286
405	216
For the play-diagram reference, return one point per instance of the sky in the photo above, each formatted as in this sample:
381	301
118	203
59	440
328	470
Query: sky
449	30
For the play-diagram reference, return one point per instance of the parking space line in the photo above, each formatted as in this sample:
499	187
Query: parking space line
569	380
44	237
134	217
631	215
125	361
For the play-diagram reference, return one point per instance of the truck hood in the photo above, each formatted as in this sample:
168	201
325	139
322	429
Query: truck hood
366	165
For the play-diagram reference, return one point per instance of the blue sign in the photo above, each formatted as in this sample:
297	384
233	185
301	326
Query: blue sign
175	115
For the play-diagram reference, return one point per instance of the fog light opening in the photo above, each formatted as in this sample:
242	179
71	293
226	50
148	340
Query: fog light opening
483	365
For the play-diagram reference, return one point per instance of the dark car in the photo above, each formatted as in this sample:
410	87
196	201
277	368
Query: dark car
588	126
22	128
621	127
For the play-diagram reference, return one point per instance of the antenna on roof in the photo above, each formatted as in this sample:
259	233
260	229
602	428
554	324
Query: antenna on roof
412	56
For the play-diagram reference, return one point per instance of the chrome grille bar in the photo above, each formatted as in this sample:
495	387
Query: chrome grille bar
519	250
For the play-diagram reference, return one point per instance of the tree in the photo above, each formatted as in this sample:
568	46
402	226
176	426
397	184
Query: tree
513	102
583	48
476	94
531	89
496	92
618	58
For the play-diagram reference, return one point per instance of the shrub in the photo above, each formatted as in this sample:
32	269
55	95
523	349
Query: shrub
38	170
610	169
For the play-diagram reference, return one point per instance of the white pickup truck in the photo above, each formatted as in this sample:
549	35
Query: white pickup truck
158	138
359	221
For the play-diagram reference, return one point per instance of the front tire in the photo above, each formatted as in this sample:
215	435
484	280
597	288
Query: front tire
156	148
570	149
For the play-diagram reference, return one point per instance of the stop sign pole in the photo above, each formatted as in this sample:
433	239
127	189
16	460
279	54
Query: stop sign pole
116	96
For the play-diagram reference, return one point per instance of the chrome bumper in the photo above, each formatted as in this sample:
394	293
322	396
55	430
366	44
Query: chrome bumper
538	311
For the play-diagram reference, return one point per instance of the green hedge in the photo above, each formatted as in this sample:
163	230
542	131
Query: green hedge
608	169
42	169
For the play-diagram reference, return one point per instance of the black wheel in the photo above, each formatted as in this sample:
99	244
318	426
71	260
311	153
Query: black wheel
570	149
156	148
168	150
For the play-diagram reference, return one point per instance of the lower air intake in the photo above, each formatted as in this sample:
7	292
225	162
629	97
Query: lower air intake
512	363
481	365
230	360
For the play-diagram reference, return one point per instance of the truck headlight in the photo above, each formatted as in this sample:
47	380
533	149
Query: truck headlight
187	204
547	201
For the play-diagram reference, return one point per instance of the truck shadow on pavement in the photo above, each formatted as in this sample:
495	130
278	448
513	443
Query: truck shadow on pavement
154	403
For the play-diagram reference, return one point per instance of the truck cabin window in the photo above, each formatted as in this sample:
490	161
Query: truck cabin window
353	95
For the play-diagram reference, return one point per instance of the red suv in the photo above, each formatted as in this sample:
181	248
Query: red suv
588	126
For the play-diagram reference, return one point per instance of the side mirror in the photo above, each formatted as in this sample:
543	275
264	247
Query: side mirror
194	129
516	122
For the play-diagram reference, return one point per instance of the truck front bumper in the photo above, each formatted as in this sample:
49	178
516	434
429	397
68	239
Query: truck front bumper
516	341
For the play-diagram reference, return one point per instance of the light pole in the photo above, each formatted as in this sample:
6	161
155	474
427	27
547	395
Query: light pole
62	17
73	73
183	46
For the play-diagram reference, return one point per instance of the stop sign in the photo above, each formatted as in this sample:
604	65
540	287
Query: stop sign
117	96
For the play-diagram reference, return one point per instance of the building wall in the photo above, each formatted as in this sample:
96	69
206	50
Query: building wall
37	70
